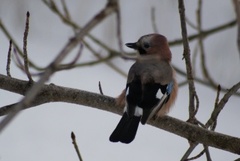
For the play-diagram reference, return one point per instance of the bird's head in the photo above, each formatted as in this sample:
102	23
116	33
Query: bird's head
152	44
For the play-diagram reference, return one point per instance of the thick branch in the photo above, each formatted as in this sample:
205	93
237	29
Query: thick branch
53	93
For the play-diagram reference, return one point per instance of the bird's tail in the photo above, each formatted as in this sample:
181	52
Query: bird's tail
126	129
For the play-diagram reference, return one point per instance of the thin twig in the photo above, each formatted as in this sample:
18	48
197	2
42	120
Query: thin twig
100	88
201	81
17	60
72	64
9	59
8	35
119	31
214	123
25	55
191	24
205	33
201	45
76	146
197	104
153	18
194	58
66	13
111	54
65	9
186	55
207	152
197	156
119	35
188	152
19	64
236	4
221	104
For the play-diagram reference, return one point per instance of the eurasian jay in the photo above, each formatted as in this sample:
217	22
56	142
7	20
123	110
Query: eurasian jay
151	75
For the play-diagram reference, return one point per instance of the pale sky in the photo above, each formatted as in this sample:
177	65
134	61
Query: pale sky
43	133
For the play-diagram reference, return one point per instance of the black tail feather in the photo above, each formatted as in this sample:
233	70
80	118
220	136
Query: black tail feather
126	129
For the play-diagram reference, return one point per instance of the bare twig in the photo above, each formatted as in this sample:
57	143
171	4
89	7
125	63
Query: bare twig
203	82
206	150
153	18
197	104
197	156
65	9
191	23
201	45
9	59
100	88
25	56
188	152
205	33
119	36
221	104
111	54
194	58
72	64
186	55
8	35
192	147
217	96
236	4
213	124
76	146
119	31
17	60
19	63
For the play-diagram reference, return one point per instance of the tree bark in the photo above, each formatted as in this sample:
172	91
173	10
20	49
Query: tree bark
54	93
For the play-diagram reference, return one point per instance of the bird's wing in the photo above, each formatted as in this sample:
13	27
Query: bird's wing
162	100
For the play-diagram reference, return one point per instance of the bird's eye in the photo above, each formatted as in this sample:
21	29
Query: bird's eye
146	45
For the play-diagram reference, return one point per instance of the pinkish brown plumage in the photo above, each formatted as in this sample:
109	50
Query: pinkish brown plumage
151	74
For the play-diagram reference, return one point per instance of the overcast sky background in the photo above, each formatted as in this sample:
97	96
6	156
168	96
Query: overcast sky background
43	133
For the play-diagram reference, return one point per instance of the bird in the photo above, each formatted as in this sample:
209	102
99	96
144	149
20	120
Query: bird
151	87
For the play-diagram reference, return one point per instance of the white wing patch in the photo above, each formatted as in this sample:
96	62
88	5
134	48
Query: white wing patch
125	108
159	94
138	111
127	91
158	106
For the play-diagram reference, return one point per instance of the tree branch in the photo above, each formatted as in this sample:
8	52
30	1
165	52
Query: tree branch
186	55
54	93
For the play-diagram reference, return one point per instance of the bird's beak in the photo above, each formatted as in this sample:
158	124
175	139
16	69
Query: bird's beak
132	45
